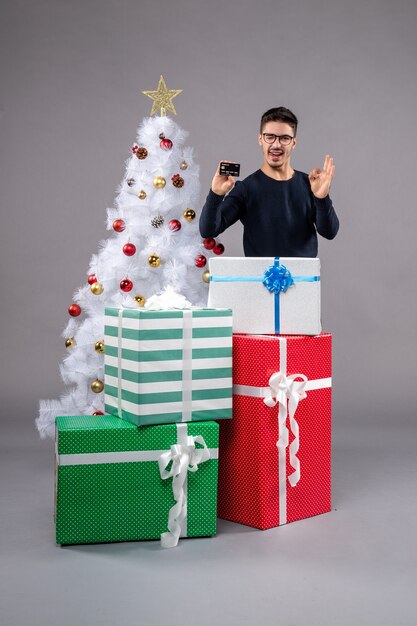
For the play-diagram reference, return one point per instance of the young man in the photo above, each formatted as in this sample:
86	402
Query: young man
281	209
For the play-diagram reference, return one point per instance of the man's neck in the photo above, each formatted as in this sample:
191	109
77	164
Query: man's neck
278	173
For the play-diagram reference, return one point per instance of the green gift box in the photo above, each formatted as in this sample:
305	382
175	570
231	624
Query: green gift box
168	366
116	482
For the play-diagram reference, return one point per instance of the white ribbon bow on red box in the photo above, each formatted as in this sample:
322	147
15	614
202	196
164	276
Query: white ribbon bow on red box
288	391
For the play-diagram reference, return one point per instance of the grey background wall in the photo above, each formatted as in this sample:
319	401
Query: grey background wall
72	75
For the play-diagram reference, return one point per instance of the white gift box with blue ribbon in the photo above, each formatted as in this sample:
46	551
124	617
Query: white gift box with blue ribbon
268	295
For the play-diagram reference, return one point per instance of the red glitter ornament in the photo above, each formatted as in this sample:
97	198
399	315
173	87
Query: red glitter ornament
166	144
174	225
129	249
92	279
98	413
218	248
74	310
126	285
119	226
200	260
209	243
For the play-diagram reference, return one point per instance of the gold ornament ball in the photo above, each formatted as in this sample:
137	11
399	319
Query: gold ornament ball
99	347
159	182
142	194
183	165
97	386
97	289
140	300
154	260
206	276
189	215
70	342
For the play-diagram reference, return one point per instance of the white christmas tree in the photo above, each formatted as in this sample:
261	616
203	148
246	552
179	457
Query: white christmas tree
154	244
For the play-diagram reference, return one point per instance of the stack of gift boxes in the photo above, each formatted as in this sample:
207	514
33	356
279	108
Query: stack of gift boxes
158	464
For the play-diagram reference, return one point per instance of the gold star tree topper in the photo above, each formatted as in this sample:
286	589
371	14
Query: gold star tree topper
162	98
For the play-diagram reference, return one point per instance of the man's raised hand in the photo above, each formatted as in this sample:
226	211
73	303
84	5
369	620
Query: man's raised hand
222	184
320	180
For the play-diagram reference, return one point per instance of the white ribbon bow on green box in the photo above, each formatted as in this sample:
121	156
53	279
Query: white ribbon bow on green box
183	457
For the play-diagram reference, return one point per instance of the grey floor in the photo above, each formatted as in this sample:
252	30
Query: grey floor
353	566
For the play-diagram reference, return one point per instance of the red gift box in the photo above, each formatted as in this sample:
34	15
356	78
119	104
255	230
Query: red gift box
275	459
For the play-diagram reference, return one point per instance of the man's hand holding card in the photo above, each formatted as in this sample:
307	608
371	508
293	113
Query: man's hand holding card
224	178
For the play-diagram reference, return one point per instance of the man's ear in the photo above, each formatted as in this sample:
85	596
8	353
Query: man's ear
260	140
294	143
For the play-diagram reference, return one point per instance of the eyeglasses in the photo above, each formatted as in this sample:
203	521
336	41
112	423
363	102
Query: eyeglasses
284	140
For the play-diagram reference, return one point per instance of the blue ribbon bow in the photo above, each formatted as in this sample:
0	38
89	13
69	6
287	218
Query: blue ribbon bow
277	278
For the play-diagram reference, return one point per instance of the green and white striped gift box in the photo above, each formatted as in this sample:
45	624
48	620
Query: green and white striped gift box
168	366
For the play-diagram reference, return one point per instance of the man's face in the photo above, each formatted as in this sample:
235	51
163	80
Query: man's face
276	155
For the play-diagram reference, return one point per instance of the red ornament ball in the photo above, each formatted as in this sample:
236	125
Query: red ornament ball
166	144
129	249
174	225
98	413
218	248
92	279
119	226
209	243
126	285
200	260
74	310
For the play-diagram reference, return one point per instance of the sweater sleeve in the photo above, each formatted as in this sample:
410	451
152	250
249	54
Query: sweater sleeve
327	222
220	212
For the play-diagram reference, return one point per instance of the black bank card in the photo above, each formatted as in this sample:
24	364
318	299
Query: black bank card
229	169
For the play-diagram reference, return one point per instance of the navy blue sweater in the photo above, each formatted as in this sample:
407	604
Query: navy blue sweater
279	217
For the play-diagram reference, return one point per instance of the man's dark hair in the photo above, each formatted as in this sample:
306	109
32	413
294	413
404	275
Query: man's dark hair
280	114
